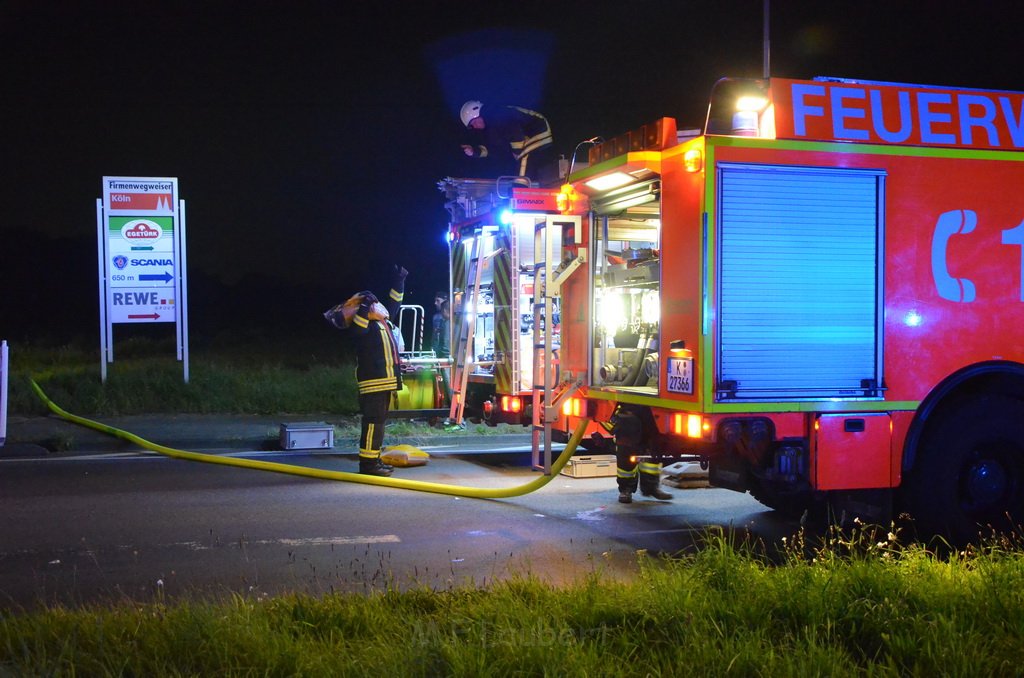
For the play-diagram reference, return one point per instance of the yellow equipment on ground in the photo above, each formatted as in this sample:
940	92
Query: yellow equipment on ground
403	455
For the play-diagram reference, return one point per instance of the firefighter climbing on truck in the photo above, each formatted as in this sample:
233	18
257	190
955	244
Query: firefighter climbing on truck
497	129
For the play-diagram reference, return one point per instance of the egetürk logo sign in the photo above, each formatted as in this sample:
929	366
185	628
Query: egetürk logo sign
141	230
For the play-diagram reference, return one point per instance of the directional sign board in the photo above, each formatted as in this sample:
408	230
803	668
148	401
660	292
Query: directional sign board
141	255
141	232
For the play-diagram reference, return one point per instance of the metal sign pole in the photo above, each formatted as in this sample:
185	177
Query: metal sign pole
4	361
101	249
182	292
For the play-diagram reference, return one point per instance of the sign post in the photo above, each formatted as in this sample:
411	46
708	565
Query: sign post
141	242
3	392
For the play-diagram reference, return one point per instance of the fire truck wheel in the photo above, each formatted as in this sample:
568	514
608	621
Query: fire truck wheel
968	478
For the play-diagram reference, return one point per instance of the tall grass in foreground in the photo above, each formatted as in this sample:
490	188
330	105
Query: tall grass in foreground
850	607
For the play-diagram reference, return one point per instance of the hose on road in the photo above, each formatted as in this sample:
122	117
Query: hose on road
400	483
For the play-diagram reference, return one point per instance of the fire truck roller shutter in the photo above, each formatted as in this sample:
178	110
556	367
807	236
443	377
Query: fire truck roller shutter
799	280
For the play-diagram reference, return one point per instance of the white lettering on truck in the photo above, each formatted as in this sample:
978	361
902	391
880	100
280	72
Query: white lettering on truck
941	118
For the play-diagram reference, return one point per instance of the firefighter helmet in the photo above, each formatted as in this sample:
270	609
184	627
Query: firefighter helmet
470	110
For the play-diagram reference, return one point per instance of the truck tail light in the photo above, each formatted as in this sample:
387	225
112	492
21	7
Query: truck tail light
690	425
572	407
511	404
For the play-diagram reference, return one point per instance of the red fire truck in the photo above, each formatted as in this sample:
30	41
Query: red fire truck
819	295
497	239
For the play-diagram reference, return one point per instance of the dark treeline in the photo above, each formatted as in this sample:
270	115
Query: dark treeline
49	295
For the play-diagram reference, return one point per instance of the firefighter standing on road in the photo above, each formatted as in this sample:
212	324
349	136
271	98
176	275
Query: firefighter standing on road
378	373
632	468
527	133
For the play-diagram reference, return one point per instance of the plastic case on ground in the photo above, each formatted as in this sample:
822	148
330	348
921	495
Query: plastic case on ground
309	435
593	466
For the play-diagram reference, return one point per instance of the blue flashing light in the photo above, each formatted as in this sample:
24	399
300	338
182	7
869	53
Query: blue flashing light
913	319
505	217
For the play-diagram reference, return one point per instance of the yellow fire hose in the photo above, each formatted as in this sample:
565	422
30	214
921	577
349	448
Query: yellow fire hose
401	483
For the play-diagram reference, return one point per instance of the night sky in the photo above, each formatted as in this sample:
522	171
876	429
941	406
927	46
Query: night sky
308	137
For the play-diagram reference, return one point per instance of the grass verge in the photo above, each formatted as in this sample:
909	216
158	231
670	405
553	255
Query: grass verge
146	379
850	607
224	378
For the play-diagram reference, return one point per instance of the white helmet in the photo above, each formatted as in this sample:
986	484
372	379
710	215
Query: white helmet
470	110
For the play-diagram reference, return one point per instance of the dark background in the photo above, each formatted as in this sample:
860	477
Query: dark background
308	137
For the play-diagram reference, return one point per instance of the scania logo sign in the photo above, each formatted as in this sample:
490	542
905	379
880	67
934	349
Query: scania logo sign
141	230
120	261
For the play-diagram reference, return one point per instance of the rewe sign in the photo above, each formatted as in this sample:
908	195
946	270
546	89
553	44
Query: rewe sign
141	242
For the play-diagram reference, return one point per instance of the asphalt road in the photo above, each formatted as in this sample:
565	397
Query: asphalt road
140	526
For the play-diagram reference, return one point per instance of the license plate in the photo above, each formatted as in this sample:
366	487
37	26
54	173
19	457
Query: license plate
680	375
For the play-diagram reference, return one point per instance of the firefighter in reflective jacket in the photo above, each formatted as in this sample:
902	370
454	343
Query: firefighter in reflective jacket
378	373
527	133
632	466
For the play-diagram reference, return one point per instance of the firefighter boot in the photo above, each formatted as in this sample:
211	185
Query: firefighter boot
650	481
374	467
658	493
627	485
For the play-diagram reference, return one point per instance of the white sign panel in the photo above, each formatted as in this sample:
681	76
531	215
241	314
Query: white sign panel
141	305
135	195
141	248
141	234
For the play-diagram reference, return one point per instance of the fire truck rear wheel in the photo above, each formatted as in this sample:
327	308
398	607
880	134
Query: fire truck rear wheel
968	477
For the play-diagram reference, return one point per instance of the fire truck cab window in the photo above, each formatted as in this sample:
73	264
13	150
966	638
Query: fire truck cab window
627	290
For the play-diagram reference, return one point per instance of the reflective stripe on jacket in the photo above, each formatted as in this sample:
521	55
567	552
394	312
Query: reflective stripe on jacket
538	133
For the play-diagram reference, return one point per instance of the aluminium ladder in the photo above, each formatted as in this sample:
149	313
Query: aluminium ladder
463	352
549	274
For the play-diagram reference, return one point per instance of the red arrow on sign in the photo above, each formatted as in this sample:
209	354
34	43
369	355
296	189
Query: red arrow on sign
152	316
